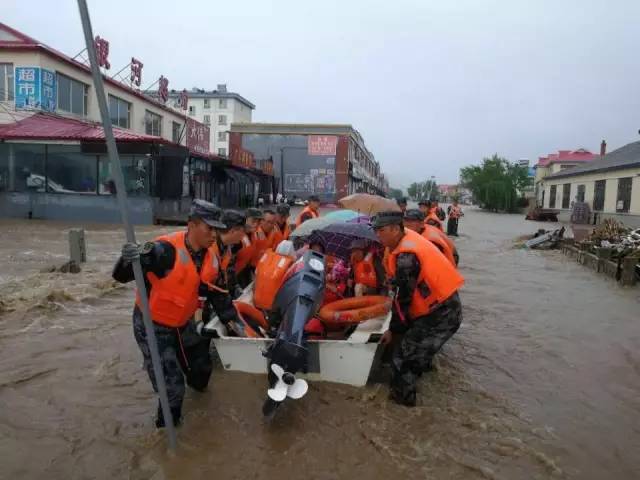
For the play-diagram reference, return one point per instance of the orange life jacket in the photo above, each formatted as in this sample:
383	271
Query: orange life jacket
364	272
439	275
270	273
309	210
432	219
259	242
245	254
224	260
440	240
455	212
281	234
174	299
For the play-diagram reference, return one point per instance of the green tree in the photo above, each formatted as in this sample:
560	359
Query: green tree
395	193
420	190
496	184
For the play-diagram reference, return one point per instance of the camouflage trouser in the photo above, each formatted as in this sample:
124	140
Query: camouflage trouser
192	360
414	353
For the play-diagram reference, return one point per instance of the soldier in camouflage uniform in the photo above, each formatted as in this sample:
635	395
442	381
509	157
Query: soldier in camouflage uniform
422	334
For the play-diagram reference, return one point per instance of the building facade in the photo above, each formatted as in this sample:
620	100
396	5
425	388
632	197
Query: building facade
610	185
330	161
53	158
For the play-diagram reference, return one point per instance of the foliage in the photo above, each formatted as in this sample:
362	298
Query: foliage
420	190
496	184
395	193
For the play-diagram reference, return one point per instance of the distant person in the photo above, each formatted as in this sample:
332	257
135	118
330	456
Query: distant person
310	211
455	212
367	275
402	203
414	220
438	210
424	205
282	224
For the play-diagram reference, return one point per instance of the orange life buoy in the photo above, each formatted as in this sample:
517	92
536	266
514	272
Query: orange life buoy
351	311
250	314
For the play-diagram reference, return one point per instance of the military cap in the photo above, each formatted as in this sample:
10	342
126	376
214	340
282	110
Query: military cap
233	218
414	214
401	200
254	213
207	212
383	219
283	210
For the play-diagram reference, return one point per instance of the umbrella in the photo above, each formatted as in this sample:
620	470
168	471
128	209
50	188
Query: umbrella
347	216
337	237
309	226
369	204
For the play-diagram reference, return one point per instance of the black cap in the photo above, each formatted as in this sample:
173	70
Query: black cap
423	201
254	213
283	210
207	212
314	198
358	244
414	214
233	218
401	200
383	219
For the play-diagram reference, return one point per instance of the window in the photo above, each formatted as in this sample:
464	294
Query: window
6	82
580	196
206	103
69	171
207	119
176	132
598	195
222	136
152	123
566	195
22	167
135	170
222	152
120	111
552	196
192	110
222	119
72	95
623	200
222	103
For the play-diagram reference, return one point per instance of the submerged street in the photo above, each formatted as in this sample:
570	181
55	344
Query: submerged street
541	381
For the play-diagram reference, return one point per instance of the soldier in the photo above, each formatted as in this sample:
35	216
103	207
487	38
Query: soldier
310	211
427	309
414	220
179	268
246	249
282	224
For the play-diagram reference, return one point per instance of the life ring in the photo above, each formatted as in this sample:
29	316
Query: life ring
351	311
251	315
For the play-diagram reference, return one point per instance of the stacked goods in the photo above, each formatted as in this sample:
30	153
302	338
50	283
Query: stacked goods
613	236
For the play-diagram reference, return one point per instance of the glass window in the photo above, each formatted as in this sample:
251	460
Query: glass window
72	95
623	200
6	82
207	119
135	169
206	103
176	132
566	195
69	171
552	196
222	119
152	123
222	103
598	195
192	110
580	196
120	111
222	136
22	167
222	152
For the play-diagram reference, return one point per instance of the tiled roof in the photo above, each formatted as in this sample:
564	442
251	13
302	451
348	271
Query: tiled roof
622	158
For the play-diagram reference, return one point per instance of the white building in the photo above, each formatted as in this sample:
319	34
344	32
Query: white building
217	109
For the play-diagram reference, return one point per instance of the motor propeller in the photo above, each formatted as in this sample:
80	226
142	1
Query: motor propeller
287	385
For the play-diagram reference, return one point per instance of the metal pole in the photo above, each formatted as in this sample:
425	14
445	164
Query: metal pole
121	194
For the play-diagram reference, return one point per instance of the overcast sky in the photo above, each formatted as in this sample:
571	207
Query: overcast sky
431	86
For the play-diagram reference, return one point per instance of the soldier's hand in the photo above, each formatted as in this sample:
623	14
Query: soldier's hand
387	338
130	252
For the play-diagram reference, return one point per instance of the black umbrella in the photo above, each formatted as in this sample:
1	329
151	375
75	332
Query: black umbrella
337	237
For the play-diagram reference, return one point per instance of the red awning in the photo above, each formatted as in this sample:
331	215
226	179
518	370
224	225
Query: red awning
46	126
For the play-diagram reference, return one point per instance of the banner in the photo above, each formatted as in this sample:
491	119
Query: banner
197	137
322	144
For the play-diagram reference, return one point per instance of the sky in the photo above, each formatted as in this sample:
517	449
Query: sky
432	86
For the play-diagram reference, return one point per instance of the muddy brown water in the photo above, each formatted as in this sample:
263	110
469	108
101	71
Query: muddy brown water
542	380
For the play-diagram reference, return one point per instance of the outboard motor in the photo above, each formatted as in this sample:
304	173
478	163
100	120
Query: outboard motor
296	302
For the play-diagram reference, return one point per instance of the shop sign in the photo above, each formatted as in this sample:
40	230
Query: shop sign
322	144
197	137
35	88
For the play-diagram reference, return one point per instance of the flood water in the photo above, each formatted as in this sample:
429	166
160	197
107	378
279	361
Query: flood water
541	381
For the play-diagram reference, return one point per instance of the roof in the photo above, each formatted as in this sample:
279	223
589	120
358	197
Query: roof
566	156
48	126
11	39
622	158
210	94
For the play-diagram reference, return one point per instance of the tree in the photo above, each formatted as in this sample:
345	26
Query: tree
395	193
420	190
496	184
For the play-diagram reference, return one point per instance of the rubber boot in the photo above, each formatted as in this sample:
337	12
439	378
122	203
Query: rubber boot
403	387
176	414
